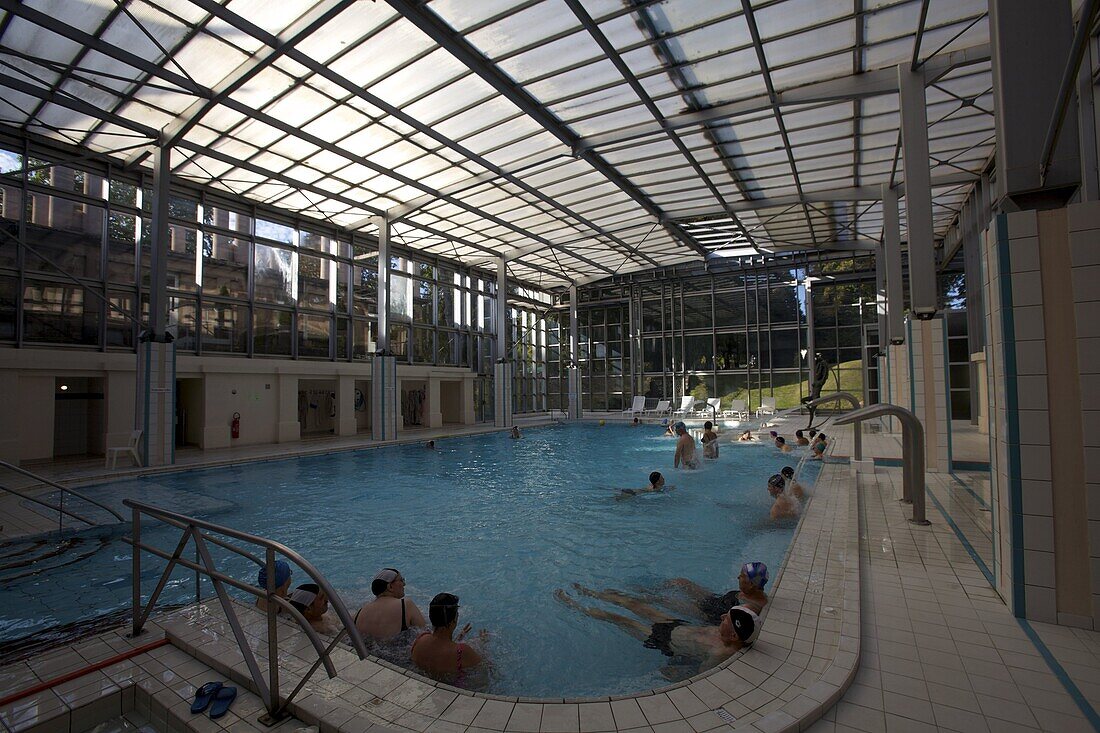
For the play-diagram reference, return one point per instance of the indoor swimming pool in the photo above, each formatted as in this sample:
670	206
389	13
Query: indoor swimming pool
501	523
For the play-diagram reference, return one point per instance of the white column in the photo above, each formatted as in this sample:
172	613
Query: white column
345	405
383	340
385	412
502	368
895	293
288	428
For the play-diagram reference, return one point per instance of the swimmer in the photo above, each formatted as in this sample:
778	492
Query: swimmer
670	431
439	653
785	507
430	445
793	486
747	437
781	444
515	434
312	603
685	449
282	583
656	483
390	613
709	440
635	423
818	449
800	439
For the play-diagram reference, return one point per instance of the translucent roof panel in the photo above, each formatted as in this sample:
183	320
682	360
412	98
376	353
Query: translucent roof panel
619	137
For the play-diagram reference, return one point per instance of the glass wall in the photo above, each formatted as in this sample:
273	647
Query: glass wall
242	279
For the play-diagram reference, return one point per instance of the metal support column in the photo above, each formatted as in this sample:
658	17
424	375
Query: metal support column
382	339
891	239
155	395
574	372
503	382
918	193
385	407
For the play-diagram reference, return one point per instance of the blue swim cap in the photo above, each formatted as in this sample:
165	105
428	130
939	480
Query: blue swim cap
757	573
282	574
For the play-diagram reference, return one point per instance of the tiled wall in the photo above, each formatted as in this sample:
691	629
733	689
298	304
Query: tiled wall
925	344
1024	492
1084	250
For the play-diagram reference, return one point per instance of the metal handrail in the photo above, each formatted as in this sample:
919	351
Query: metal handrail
58	508
198	530
912	451
857	448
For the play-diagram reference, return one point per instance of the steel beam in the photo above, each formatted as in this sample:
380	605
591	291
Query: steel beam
918	193
868	84
382	338
891	240
502	310
435	28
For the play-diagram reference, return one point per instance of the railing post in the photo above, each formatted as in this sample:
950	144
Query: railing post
916	467
135	532
272	637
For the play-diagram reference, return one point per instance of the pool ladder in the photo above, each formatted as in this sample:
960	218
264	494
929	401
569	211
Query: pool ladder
201	534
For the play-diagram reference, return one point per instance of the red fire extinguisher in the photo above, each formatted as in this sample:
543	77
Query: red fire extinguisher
236	428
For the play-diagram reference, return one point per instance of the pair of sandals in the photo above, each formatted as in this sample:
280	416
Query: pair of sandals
215	695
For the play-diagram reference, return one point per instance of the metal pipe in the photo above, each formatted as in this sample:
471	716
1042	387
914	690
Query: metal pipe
912	439
46	481
857	449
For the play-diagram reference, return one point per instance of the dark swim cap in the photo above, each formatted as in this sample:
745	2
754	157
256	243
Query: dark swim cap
787	472
777	481
443	610
654	477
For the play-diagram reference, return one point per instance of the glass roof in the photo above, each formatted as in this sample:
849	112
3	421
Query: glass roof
576	138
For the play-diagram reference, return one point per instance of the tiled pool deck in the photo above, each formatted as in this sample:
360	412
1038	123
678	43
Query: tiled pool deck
902	612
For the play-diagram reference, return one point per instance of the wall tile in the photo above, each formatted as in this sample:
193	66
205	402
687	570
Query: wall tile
1038	533
1041	604
1039	568
1035	462
1025	224
1082	216
1028	323
1084	248
1031	392
1027	289
1037	498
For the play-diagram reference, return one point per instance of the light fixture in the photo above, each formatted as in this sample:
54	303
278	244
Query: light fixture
64	387
803	352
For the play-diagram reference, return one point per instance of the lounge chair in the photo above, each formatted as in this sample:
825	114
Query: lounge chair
767	406
738	409
130	449
687	404
663	408
712	408
638	408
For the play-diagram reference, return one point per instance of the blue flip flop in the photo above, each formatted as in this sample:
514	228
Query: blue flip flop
223	698
204	695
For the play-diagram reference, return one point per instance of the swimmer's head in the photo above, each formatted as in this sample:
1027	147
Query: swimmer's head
636	421
383	579
756	573
787	472
798	433
743	621
776	484
813	432
773	433
655	478
443	610
708	425
431	444
680	427
780	440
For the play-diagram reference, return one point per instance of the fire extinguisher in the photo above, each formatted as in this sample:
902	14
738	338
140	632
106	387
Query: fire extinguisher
236	427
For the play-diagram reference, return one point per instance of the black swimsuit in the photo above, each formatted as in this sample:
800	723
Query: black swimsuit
660	636
404	623
714	607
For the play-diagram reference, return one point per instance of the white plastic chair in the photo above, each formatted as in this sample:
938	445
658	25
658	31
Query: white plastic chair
130	448
637	408
713	407
663	407
738	409
687	404
767	406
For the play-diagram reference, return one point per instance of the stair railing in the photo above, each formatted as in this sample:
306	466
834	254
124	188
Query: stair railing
912	451
199	532
62	512
857	447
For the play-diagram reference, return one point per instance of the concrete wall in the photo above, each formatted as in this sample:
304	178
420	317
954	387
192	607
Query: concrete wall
263	391
450	401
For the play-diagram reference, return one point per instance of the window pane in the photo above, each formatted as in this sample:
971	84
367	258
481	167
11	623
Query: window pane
729	309
732	351
68	233
399	340
275	231
10	206
313	279
120	329
225	328
365	291
423	346
271	332
422	302
225	266
274	273
363	339
226	219
181	319
56	313
121	247
313	335
697	312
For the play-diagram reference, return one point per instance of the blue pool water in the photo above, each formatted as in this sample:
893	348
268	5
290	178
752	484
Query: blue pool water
501	523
